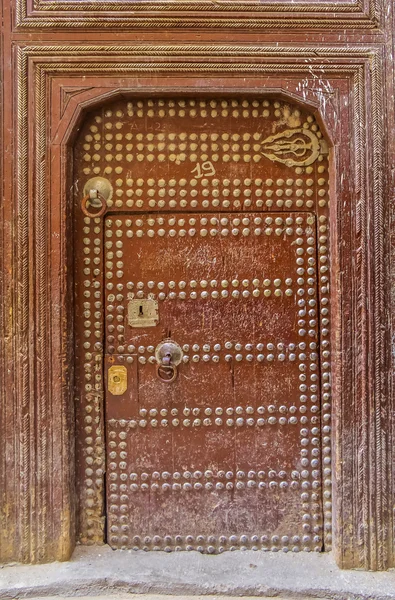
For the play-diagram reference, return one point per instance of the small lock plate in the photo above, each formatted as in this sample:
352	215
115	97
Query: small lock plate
143	313
117	380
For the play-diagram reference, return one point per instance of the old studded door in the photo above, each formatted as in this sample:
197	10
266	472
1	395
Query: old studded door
198	226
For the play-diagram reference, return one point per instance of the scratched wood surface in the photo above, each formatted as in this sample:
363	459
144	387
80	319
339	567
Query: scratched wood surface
63	63
211	222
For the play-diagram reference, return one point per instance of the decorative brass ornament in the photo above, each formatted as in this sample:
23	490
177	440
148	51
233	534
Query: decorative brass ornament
117	380
293	147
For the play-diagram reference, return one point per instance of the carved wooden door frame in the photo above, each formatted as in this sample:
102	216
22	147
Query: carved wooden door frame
55	85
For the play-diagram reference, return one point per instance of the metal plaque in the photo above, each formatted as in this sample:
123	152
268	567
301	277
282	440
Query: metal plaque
143	313
117	380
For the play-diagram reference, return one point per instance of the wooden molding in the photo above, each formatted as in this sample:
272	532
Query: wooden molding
250	15
42	324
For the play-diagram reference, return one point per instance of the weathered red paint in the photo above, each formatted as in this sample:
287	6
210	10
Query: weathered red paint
59	62
215	445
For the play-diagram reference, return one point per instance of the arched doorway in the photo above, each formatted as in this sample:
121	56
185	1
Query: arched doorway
202	325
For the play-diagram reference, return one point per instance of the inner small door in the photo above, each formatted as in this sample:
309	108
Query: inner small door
206	353
200	237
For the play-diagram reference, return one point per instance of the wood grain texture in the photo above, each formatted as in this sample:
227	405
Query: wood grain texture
340	64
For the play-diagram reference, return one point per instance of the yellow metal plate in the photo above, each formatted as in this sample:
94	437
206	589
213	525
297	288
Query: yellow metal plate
117	380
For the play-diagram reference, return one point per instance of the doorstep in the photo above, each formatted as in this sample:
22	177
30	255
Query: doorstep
160	597
100	571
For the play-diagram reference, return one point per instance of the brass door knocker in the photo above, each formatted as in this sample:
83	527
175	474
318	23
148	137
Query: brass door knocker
168	356
96	200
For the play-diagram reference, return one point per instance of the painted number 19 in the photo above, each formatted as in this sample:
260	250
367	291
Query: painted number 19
206	168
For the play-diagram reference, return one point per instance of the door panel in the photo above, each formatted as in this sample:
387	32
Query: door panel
212	460
201	234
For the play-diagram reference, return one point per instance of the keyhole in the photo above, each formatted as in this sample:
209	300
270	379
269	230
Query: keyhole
141	314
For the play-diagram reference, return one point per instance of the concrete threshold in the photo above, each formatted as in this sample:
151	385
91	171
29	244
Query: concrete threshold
100	571
157	597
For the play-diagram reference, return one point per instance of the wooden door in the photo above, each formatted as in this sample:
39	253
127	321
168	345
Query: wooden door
194	68
196	293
